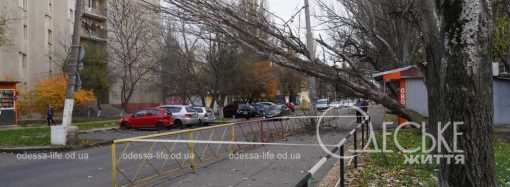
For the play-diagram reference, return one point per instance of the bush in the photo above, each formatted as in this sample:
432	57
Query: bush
51	92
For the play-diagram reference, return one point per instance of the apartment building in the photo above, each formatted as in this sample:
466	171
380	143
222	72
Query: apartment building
38	38
39	34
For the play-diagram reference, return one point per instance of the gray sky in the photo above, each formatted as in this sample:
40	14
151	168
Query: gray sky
288	8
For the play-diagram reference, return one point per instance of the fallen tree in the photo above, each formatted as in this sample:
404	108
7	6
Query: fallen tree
456	36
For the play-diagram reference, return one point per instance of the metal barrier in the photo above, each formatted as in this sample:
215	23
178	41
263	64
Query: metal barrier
363	124
140	159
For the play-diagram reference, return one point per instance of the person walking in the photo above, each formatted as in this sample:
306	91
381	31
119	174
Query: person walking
49	116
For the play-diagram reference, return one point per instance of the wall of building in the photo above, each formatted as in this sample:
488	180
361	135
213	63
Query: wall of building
501	102
416	99
416	96
38	33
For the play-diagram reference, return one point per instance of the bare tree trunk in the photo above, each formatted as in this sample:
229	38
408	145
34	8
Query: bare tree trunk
221	105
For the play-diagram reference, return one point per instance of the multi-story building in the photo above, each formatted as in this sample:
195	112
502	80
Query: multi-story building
39	34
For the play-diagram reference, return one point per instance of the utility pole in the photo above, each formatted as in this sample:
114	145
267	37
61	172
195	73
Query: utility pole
61	135
312	85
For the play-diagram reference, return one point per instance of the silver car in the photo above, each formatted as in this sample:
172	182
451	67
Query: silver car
205	115
183	115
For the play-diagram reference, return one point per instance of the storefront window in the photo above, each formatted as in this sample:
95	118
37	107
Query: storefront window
6	99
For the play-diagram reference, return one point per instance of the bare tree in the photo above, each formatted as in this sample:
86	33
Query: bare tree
131	45
180	67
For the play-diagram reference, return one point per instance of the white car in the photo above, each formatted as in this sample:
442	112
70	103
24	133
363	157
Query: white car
342	103
183	115
205	115
336	104
322	104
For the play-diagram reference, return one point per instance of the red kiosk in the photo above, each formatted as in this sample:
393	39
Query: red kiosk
8	114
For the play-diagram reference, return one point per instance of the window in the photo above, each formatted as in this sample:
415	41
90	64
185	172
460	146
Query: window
173	109
92	4
23	4
140	113
50	61
189	109
23	60
25	31
50	37
199	110
7	99
50	6
71	13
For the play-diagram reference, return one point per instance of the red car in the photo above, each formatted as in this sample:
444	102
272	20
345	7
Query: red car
148	118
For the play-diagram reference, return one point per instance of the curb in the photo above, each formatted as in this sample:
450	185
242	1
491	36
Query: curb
42	149
98	130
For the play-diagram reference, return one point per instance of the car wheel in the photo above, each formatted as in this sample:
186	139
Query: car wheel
178	124
201	123
160	126
124	125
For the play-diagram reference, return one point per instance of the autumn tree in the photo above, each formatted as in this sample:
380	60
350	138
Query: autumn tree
52	92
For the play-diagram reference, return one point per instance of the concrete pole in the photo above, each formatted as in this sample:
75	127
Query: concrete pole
71	67
65	134
312	86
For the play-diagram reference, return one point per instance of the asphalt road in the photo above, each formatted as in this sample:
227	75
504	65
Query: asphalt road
92	167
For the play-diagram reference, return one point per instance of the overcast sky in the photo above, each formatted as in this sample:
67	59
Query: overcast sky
288	8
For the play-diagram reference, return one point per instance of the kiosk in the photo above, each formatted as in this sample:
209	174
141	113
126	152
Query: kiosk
8	114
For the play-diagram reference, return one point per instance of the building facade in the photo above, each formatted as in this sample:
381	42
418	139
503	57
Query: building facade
39	34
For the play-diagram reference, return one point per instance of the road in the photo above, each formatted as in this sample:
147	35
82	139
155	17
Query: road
95	169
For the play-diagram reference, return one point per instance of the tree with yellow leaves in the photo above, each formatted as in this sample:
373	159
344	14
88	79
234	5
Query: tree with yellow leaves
52	92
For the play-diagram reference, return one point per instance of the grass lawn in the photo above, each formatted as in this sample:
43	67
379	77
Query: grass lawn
40	136
389	169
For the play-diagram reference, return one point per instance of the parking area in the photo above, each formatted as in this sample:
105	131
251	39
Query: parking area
112	134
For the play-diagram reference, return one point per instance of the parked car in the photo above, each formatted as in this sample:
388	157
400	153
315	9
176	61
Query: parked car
322	104
230	110
267	104
275	111
148	118
336	104
349	102
246	111
183	115
205	115
260	108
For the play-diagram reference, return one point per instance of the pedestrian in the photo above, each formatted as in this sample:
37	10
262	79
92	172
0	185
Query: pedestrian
99	111
49	116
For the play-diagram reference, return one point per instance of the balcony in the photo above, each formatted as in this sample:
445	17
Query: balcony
95	13
94	36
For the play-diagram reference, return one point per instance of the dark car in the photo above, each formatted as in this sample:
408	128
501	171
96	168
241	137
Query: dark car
230	110
148	118
246	111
